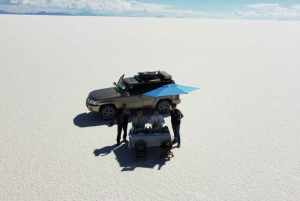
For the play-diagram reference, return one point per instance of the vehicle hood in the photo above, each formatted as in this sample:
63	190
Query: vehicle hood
102	94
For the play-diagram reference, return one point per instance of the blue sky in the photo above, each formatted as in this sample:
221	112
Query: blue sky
219	5
217	9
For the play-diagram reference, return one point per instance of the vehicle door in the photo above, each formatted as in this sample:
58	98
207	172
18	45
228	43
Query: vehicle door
147	101
133	97
120	80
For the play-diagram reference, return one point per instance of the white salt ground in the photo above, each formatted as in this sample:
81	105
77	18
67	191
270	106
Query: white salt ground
240	133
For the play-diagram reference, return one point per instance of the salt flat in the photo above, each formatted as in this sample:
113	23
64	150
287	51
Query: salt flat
240	133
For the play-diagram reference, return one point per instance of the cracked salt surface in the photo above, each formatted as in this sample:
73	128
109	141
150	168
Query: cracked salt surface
240	133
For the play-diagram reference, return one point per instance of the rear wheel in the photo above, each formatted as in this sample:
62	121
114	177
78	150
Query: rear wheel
107	112
163	106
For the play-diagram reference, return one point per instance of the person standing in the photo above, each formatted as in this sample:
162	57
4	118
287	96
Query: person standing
122	116
176	117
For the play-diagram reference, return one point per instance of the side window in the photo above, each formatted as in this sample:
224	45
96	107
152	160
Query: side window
151	86
145	87
157	85
165	83
135	90
160	84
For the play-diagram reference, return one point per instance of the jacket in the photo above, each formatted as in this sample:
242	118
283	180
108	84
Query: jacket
118	114
174	117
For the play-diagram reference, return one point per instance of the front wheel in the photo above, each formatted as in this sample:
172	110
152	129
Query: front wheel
107	112
163	106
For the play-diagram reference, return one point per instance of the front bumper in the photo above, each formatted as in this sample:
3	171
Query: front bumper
92	108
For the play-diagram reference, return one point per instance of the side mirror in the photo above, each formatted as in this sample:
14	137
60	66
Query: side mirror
115	83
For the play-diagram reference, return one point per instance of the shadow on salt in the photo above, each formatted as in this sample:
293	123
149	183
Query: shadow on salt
127	159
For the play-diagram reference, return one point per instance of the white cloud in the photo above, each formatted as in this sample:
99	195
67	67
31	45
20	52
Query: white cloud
297	7
269	8
147	6
274	11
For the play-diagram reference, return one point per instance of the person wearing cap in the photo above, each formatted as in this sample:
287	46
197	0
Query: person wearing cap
157	120
122	115
139	121
176	117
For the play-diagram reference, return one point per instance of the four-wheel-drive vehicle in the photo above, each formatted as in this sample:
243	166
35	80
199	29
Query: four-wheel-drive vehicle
131	90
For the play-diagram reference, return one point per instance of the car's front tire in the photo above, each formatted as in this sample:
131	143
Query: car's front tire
107	112
163	106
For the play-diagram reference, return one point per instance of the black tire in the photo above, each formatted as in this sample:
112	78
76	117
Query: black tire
163	106
107	112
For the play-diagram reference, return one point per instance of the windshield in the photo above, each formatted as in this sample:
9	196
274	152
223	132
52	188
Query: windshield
121	87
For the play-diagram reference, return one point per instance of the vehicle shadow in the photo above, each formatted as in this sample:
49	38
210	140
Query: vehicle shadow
89	119
127	159
93	118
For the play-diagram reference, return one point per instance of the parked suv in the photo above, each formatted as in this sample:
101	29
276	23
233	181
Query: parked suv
131	90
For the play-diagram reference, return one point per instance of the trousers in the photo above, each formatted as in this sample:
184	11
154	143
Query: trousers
176	130
120	128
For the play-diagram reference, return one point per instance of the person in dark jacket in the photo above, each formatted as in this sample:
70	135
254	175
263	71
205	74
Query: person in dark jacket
176	117
122	115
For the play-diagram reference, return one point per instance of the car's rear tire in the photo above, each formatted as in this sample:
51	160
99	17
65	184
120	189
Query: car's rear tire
107	112
163	106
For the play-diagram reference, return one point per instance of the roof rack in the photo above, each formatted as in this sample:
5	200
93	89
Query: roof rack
152	75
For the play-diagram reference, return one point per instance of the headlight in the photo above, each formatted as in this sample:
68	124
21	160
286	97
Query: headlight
92	102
